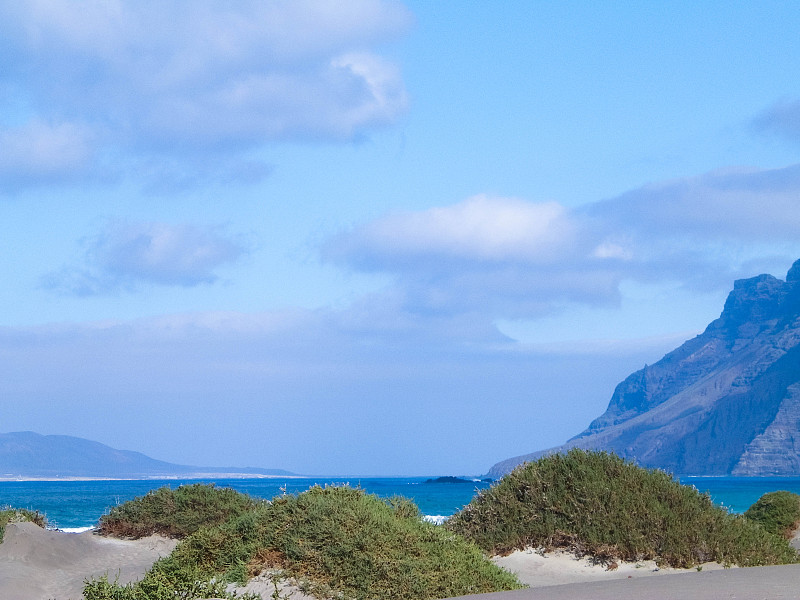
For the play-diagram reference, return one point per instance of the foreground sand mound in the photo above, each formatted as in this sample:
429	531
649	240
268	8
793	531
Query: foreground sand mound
540	569
36	564
752	583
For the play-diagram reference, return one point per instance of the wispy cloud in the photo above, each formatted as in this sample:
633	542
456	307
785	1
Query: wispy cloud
749	205
321	375
37	152
511	258
126	255
230	78
782	119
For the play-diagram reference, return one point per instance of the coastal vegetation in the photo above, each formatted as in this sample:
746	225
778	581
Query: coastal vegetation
19	515
175	513
334	541
777	512
340	542
597	504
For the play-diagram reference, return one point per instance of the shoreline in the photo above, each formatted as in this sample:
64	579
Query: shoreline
189	476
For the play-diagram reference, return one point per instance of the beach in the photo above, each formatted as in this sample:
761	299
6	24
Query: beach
752	583
563	576
39	564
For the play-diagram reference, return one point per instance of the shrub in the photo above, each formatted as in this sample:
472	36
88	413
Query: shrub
174	512
20	515
341	541
187	585
597	504
777	512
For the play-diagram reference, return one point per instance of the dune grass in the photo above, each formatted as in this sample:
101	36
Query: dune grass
777	512
19	515
175	513
338	541
597	504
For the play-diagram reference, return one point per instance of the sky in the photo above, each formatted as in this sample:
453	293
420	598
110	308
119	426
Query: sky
376	237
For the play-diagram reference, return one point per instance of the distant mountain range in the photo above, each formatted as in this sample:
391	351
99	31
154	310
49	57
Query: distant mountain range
28	455
724	403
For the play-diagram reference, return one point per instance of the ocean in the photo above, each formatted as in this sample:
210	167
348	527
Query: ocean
78	505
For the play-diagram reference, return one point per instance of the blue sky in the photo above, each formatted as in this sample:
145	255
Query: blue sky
374	237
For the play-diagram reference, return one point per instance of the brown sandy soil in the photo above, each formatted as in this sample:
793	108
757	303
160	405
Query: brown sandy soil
36	564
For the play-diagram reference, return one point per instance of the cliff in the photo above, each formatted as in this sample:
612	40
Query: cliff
724	403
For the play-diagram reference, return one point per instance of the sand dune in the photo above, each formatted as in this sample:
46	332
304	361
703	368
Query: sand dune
558	568
562	576
754	583
36	564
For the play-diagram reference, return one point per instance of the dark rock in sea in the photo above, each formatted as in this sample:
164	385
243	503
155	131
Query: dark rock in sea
724	403
28	455
448	479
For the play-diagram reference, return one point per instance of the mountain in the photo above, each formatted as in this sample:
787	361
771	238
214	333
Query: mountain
724	403
26	455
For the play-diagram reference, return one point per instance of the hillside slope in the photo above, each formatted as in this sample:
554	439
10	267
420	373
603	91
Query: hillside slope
30	455
724	403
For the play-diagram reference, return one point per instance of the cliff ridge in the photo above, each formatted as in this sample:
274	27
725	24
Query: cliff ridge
726	402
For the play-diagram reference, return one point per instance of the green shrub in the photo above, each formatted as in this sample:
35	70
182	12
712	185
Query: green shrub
777	512
20	515
339	540
174	512
598	504
187	585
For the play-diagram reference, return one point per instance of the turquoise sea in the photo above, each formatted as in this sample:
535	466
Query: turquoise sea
75	505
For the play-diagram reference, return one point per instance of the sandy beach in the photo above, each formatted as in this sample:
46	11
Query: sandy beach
538	569
37	564
753	583
563	576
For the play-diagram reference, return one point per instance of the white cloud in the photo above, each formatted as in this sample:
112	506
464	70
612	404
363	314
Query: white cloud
510	258
192	78
481	228
382	92
37	151
128	254
609	249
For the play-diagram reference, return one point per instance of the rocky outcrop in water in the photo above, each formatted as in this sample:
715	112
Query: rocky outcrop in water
724	403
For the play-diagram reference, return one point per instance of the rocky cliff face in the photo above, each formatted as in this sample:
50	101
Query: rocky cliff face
725	403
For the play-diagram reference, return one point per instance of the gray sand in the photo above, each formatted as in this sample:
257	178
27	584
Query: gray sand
755	583
42	565
36	564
